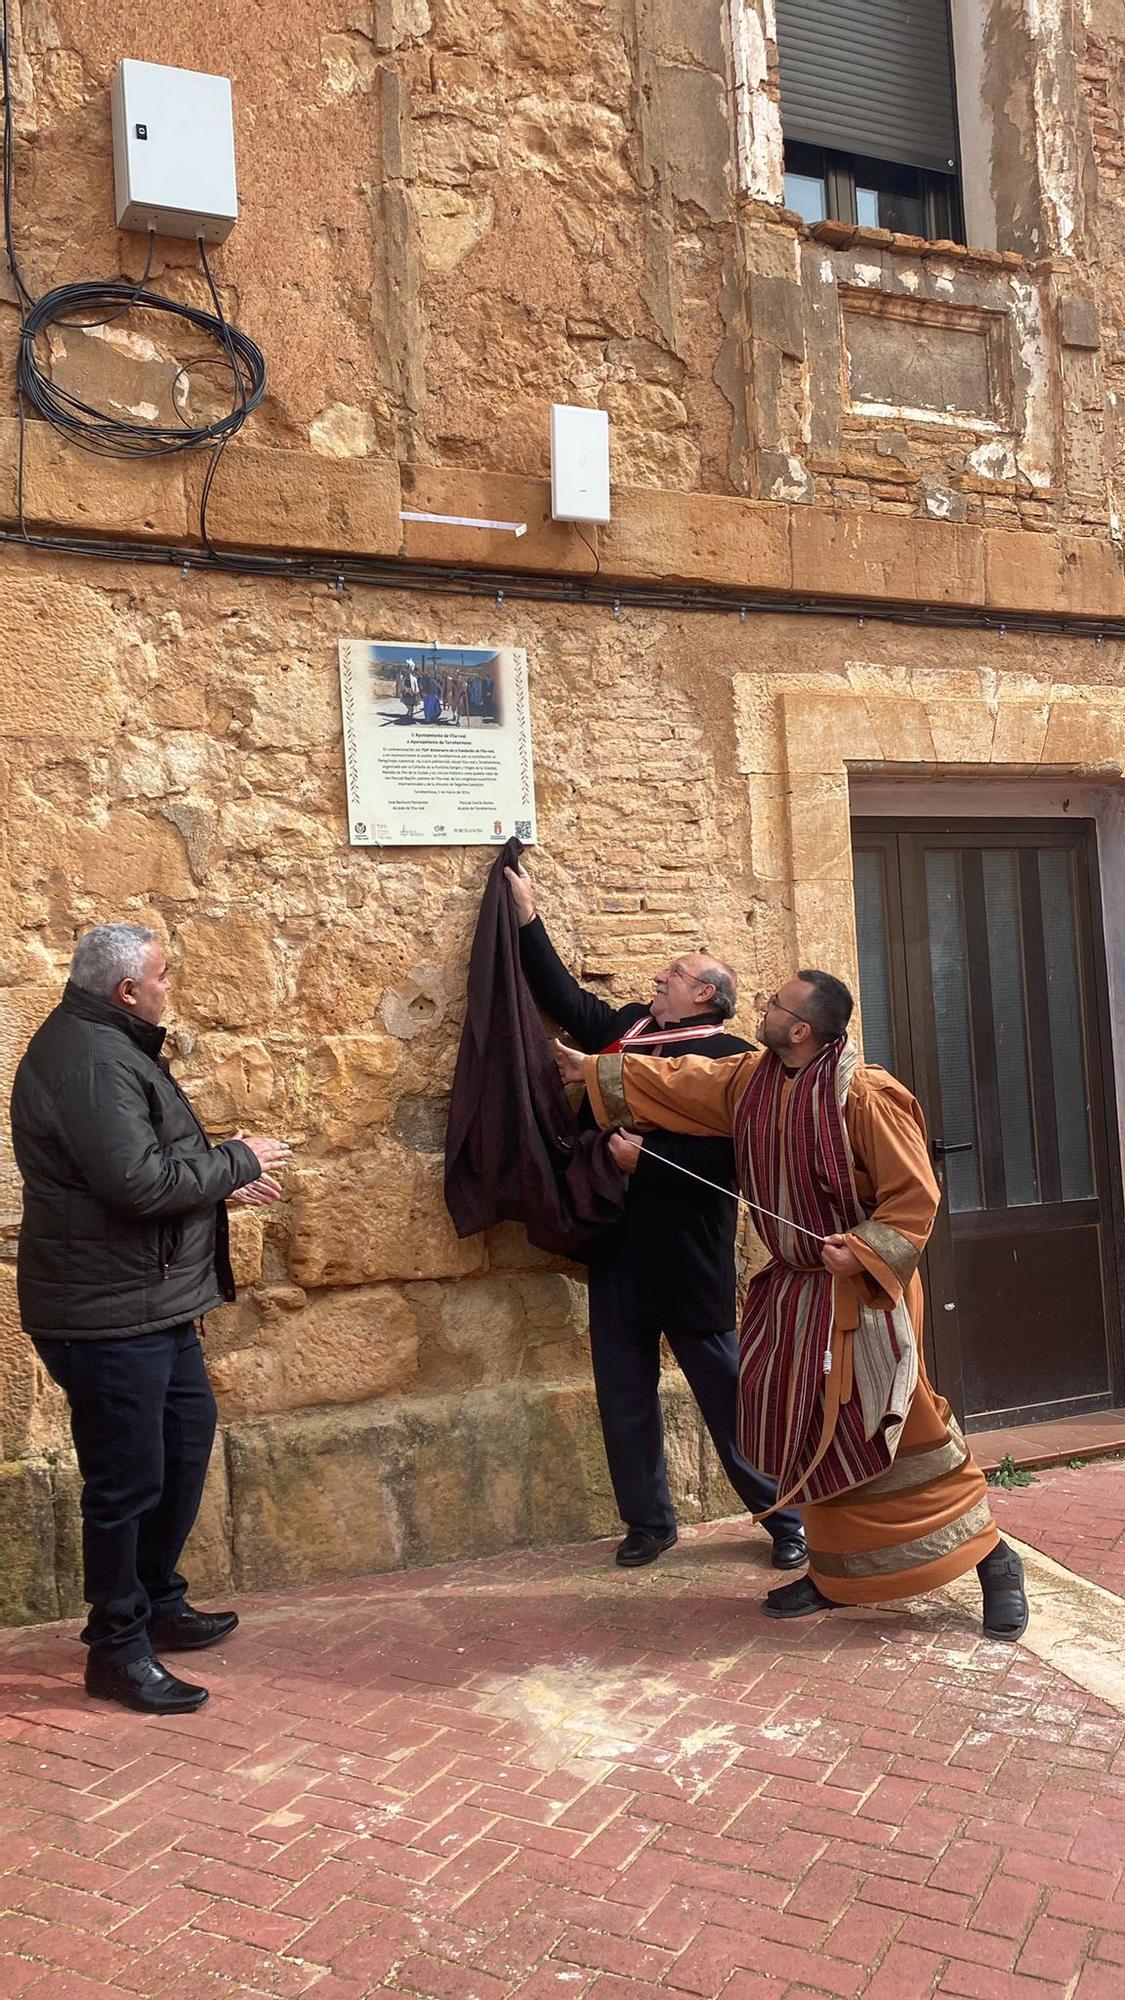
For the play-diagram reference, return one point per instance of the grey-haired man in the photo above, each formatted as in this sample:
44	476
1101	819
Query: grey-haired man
123	1248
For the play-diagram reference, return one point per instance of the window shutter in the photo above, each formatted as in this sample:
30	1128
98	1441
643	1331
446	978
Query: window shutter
873	77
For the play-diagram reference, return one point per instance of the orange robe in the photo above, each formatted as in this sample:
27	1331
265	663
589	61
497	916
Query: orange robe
927	1519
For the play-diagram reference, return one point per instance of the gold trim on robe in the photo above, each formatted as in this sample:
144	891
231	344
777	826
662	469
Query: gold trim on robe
611	1091
905	1556
897	1251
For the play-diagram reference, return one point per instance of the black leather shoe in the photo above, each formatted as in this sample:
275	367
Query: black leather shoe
1005	1599
189	1630
796	1600
641	1547
143	1684
789	1552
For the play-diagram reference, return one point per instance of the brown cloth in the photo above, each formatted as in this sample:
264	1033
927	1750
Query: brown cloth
514	1151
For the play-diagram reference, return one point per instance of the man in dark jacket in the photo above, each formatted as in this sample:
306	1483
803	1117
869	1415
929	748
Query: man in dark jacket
123	1247
668	1266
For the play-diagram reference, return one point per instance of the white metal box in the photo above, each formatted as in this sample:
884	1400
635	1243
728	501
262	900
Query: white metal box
579	464
173	151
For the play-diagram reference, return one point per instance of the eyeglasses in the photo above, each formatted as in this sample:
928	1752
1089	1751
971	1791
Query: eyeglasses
773	1001
696	978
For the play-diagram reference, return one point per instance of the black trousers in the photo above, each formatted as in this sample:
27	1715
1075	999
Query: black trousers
625	1348
142	1415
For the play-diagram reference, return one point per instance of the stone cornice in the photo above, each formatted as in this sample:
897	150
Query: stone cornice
309	503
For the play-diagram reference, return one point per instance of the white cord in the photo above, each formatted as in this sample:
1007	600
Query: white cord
741	1199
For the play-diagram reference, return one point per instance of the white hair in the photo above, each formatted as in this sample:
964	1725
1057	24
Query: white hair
109	954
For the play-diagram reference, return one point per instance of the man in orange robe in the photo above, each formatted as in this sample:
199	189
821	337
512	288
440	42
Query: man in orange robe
834	1399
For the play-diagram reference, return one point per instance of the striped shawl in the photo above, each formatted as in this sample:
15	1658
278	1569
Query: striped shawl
820	1415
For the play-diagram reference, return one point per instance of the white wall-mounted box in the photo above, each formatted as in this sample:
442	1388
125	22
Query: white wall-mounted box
173	151
579	464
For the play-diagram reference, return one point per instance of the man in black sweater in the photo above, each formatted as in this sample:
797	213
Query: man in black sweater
668	1266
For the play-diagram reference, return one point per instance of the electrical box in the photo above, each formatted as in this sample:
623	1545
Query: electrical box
579	464
173	151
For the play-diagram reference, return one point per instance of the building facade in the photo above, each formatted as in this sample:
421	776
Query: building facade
841	683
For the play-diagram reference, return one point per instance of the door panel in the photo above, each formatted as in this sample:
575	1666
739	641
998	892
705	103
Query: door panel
979	956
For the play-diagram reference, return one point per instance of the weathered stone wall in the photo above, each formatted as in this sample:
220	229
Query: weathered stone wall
451	217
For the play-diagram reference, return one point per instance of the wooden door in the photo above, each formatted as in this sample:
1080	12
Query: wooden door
982	987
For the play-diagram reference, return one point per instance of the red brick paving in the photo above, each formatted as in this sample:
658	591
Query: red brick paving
535	1776
1076	1517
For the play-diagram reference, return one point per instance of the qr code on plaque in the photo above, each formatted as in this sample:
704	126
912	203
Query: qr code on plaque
523	829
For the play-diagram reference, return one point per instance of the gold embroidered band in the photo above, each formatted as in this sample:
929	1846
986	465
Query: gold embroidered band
905	1555
612	1089
911	1470
896	1251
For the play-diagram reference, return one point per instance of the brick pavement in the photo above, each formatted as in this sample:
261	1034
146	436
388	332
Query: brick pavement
1076	1517
535	1776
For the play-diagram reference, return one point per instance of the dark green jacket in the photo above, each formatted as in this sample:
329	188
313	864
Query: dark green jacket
124	1229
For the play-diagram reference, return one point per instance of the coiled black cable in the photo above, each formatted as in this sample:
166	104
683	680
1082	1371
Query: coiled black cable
83	424
96	430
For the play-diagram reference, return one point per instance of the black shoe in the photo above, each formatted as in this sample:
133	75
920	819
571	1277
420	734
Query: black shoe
641	1546
143	1684
189	1630
789	1552
796	1600
1006	1609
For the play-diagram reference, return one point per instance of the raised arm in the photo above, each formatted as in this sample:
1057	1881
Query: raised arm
692	1094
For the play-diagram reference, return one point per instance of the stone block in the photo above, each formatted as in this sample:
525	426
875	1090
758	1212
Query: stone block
129	861
338	1346
351	1085
820	827
230	976
28	1585
777	313
692	538
902	730
377	1216
1021	731
230	1081
17	1371
1079	322
962	731
303	500
69	489
206	1561
1083	737
246	1234
884	556
489	496
59	667
1053	573
825	730
824	926
310	1500
569	1495
769	828
758	724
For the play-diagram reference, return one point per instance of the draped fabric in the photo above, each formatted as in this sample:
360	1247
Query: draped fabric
514	1150
814	1413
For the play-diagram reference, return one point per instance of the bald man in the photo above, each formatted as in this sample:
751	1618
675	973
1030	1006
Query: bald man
668	1266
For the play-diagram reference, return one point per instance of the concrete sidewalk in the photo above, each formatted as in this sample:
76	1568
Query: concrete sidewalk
537	1775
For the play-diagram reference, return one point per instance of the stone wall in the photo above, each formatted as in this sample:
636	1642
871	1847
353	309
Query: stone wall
451	217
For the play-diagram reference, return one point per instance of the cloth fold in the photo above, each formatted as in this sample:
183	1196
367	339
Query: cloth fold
514	1149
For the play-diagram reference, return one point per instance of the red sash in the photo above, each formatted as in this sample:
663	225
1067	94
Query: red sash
635	1038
